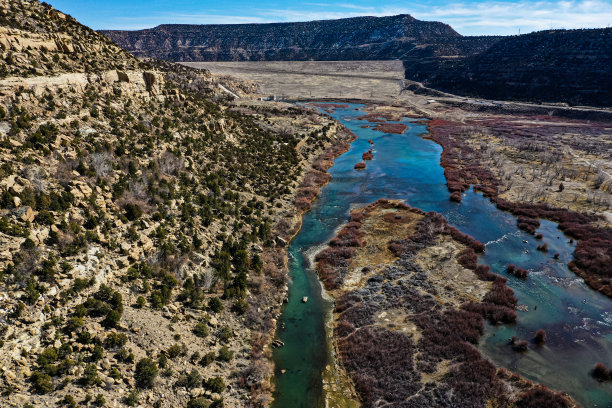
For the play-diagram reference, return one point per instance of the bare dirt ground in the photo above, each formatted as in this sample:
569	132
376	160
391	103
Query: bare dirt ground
317	79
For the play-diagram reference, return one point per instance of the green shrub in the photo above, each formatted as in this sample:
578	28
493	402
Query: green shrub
112	319
200	402
207	359
73	324
68	401
41	382
240	307
132	211
100	401
97	353
124	355
225	334
215	384
90	376
114	373
132	399
146	371
84	337
115	340
140	302
189	381
162	360
201	330
174	351
225	354
215	304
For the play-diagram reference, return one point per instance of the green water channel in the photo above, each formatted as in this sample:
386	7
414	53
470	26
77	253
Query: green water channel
578	320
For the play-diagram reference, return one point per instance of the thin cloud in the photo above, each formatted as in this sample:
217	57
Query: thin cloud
490	17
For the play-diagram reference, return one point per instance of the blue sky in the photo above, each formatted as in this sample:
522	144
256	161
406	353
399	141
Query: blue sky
468	17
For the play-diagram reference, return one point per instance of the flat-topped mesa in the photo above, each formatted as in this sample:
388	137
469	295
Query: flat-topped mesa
358	38
410	307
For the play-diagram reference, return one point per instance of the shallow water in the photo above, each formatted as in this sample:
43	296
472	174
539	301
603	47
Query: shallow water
578	321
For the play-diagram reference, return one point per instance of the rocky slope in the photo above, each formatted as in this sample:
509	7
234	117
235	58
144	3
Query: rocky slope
571	66
140	205
360	38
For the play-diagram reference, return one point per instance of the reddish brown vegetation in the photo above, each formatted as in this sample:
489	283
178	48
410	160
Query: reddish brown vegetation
593	256
518	272
521	346
540	396
380	362
601	373
542	248
540	337
360	166
340	251
456	196
371	142
367	155
329	107
395	128
386	365
593	253
460	175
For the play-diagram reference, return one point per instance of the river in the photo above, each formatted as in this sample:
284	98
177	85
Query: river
578	320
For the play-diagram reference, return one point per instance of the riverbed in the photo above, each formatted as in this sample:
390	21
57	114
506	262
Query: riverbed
578	320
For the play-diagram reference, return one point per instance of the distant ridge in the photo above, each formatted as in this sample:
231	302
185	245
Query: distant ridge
358	38
572	66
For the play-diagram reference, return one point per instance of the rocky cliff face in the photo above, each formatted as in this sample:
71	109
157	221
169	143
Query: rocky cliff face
570	66
360	38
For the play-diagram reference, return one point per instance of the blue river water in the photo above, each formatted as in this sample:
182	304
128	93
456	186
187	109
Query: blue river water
577	320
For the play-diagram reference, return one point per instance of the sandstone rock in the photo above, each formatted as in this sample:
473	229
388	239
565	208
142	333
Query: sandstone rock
110	76
152	81
64	46
146	243
134	254
77	193
26	214
122	76
17	188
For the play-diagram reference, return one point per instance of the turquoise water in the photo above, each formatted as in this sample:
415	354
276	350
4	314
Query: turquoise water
578	321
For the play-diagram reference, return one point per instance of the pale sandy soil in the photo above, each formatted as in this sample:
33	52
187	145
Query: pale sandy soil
317	79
